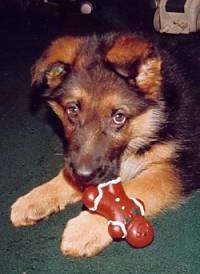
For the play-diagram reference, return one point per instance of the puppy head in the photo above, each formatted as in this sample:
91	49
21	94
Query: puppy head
106	91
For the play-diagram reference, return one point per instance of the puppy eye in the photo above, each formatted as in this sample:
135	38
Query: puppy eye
72	111
119	118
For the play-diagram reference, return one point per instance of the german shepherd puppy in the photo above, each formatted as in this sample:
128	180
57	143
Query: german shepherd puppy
126	111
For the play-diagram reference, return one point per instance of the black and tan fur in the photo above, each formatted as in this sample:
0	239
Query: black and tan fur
125	112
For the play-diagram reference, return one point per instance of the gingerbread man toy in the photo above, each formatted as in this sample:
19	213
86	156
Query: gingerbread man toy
125	215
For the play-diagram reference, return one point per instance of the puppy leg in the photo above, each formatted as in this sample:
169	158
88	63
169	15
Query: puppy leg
159	187
43	201
86	235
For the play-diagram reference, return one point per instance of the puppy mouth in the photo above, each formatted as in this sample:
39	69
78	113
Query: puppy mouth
85	171
94	179
84	177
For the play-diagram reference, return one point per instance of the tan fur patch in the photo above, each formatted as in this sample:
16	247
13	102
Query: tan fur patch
152	178
149	77
58	109
158	186
144	128
133	164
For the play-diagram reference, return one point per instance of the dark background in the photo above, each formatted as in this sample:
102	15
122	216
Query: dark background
31	152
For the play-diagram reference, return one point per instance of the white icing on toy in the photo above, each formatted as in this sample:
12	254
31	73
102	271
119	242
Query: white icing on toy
100	194
140	205
121	225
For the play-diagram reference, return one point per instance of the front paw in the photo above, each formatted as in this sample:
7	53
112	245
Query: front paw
85	235
44	200
30	208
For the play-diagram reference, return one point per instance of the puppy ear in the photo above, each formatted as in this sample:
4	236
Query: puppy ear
53	75
139	62
55	62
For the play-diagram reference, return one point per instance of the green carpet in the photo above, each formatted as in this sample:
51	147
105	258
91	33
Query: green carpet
31	153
